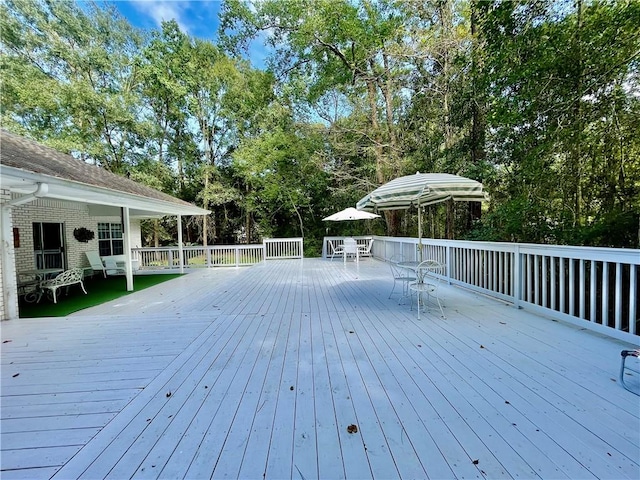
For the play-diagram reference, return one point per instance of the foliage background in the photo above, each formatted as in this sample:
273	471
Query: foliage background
537	99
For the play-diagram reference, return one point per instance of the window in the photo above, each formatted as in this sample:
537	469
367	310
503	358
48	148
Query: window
110	239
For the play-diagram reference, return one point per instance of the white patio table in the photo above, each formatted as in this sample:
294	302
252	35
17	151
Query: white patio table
30	281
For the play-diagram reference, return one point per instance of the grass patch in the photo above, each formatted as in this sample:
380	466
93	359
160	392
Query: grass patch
99	290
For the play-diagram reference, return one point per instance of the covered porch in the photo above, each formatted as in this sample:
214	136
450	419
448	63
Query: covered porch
305	369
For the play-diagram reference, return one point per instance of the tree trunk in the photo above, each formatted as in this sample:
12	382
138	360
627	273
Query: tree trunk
205	218
450	220
446	27
247	222
156	233
477	110
576	156
387	90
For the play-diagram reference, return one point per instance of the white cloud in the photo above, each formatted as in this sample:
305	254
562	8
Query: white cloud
197	18
164	11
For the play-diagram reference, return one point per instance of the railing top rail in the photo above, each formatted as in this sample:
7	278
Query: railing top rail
620	255
292	239
197	247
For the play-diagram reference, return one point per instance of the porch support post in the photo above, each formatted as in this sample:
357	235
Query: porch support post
180	251
126	223
9	281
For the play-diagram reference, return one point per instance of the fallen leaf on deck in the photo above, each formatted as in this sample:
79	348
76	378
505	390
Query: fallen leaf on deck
7	341
168	394
475	462
352	428
291	388
481	346
16	375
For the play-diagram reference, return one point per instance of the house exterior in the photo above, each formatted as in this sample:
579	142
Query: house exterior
55	208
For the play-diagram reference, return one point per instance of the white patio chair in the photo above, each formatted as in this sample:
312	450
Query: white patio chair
112	267
335	249
65	279
365	250
96	263
426	283
351	249
400	275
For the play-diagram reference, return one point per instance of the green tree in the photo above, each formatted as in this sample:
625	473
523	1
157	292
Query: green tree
70	79
329	45
561	81
279	169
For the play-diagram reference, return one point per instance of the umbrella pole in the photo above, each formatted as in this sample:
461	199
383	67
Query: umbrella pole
419	233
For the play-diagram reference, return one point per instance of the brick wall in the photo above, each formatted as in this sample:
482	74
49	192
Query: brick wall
72	216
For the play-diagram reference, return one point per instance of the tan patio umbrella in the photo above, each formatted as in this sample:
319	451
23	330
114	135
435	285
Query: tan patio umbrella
420	190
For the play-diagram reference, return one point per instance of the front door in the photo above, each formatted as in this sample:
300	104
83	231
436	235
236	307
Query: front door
48	245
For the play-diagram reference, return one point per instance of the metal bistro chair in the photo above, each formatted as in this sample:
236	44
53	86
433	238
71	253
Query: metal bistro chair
426	283
400	275
632	371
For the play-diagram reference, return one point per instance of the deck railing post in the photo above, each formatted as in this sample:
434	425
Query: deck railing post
517	277
447	261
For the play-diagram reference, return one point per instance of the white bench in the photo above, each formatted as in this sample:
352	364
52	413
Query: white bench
65	279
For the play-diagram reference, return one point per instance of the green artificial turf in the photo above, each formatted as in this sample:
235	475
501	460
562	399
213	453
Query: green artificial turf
99	290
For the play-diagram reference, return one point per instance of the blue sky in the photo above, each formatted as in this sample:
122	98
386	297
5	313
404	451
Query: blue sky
197	18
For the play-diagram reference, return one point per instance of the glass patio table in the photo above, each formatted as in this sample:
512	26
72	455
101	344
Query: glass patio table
422	271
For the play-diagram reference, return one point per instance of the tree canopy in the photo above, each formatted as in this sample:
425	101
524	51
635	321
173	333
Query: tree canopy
538	99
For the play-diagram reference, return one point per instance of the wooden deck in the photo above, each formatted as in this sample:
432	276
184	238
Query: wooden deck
259	373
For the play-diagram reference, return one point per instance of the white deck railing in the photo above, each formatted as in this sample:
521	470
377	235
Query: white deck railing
282	248
219	255
591	287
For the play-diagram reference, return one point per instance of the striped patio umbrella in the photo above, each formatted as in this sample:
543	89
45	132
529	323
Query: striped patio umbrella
420	190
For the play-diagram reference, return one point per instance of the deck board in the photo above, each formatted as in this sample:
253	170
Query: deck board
267	367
